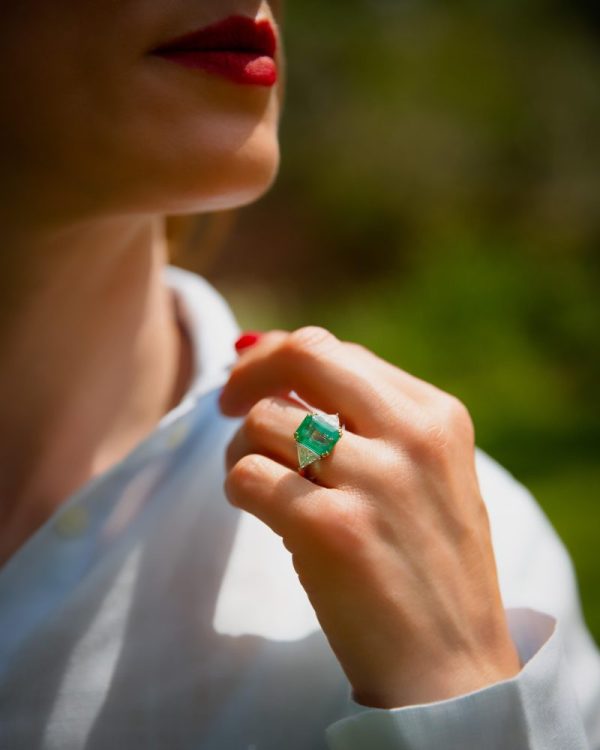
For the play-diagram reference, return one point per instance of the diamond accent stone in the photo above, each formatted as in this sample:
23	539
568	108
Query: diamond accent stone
306	456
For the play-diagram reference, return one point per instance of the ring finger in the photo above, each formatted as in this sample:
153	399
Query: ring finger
269	429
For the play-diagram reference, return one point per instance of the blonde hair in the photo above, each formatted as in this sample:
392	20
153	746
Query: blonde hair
196	239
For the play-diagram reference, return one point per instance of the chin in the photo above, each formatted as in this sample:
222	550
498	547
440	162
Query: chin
236	180
250	188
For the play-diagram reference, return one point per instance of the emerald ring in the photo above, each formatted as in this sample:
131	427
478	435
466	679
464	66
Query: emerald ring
316	437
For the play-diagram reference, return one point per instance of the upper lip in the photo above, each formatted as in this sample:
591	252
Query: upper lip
232	34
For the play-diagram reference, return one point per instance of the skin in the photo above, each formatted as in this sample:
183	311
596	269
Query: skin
391	524
99	142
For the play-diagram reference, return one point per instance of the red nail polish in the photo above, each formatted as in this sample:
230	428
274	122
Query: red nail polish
246	340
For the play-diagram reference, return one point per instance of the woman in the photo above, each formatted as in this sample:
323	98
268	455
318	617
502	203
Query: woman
139	607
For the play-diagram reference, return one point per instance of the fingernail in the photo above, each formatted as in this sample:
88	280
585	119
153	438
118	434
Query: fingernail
246	340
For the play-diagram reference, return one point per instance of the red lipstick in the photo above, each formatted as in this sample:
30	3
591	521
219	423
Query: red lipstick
238	48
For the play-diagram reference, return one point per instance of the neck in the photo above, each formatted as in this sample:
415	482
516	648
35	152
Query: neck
92	358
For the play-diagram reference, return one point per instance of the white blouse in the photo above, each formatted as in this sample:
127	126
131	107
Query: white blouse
148	613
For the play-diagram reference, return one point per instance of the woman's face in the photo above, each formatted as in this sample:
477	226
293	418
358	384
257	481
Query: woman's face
94	124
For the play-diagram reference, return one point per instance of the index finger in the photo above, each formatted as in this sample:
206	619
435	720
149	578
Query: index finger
321	369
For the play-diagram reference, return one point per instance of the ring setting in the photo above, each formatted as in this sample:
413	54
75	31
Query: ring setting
316	437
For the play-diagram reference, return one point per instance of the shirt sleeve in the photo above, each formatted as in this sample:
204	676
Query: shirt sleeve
536	710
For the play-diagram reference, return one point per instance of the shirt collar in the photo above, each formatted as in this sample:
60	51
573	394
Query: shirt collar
213	330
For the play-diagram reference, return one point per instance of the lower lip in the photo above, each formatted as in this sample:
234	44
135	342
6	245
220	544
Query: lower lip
246	68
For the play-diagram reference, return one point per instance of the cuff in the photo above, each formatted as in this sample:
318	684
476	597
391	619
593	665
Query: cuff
535	709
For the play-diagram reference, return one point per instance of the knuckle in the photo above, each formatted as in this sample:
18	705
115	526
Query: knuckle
428	438
419	425
258	419
457	419
309	340
444	427
244	471
436	438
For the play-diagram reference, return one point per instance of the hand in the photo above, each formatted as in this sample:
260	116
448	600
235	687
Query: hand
391	540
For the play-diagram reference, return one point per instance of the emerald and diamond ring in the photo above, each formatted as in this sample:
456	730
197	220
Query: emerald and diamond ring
316	437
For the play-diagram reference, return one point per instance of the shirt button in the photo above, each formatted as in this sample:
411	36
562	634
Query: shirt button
72	522
177	435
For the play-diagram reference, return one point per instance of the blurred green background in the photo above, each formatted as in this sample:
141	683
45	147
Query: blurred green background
439	201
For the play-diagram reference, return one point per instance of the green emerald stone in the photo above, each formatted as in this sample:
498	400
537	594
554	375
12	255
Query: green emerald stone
316	437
